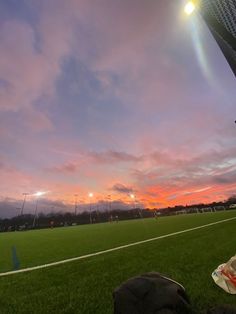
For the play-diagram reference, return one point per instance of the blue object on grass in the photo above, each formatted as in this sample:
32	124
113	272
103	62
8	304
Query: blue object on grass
15	259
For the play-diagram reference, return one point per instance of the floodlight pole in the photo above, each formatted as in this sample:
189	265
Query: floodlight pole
90	208
23	204
134	201
36	211
90	212
138	209
109	206
76	196
135	206
140	213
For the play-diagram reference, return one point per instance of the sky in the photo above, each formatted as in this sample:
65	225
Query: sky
113	97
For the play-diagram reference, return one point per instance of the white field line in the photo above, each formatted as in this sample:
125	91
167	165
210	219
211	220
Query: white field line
24	270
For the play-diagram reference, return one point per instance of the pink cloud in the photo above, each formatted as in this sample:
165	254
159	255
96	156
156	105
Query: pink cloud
13	181
68	167
37	121
30	77
29	72
110	157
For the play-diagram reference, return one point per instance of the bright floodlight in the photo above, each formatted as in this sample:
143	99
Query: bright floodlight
189	8
132	195
39	193
90	194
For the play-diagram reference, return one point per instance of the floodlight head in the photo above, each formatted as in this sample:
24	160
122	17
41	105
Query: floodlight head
39	193
189	7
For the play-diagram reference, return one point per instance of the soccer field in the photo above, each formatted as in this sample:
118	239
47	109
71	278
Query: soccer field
85	286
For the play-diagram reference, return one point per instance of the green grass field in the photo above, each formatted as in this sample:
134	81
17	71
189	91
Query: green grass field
86	286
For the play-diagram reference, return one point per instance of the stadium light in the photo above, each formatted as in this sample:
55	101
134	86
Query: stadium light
189	7
37	194
135	205
132	196
35	212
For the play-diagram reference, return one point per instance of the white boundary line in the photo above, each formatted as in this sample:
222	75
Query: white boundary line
24	270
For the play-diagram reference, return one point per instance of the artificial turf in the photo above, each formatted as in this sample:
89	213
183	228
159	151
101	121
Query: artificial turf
86	286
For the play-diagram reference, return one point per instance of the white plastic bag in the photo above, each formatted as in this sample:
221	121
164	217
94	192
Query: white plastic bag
225	276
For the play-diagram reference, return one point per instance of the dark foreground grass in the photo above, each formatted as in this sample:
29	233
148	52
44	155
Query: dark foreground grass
86	286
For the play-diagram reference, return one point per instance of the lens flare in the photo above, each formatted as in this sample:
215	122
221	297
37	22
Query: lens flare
189	8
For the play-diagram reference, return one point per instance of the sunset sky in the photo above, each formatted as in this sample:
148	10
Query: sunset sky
113	97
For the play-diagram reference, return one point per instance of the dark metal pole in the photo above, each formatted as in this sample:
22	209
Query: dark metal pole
23	205
35	213
76	195
90	212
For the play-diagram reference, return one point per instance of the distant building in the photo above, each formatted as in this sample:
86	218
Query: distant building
220	16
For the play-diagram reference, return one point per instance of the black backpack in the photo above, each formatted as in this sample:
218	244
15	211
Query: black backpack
151	293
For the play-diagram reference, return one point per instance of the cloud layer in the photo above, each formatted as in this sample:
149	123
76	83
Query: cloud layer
114	97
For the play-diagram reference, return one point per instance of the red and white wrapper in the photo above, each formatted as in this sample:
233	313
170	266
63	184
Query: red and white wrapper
225	276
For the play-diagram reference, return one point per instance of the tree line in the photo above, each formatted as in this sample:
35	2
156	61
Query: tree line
63	219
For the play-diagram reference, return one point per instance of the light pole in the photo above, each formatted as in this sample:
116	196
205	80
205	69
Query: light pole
110	200
109	206
133	197
23	204
18	209
38	194
76	197
90	207
35	212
